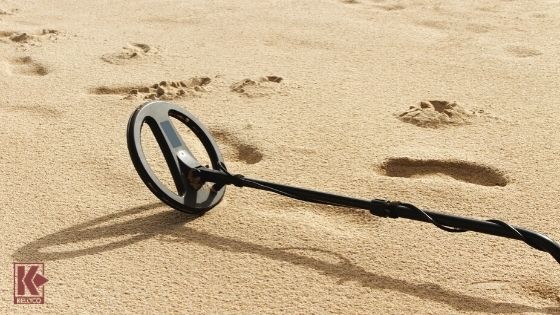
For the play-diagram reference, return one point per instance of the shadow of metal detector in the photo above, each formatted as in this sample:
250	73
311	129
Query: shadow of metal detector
200	188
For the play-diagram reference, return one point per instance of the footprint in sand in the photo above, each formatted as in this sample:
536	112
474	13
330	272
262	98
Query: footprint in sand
164	90
26	66
522	51
132	51
242	152
29	38
437	114
256	88
467	172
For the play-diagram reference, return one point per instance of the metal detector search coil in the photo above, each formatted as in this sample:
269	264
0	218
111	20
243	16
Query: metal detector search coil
195	196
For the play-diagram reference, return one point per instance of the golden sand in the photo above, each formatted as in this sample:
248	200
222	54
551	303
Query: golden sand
343	113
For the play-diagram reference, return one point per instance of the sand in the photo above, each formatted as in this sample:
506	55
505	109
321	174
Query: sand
343	113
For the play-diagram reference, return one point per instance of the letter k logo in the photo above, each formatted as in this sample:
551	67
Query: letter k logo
30	280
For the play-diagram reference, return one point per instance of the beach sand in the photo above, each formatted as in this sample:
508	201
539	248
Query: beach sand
453	106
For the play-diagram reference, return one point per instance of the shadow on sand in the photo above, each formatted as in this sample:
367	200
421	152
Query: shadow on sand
171	226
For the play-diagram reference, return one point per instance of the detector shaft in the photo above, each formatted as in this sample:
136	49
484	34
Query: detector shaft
385	208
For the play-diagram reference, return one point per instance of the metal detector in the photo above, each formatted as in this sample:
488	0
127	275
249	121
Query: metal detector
200	188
